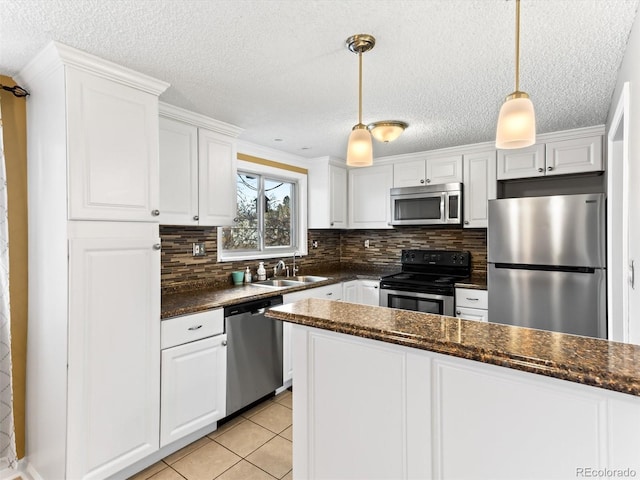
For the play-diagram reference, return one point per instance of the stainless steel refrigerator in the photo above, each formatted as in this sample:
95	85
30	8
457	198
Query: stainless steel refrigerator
547	263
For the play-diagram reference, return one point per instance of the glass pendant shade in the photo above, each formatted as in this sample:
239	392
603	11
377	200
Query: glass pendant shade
359	149
516	123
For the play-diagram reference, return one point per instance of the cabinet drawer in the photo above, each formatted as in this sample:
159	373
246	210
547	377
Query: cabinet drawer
179	330
467	297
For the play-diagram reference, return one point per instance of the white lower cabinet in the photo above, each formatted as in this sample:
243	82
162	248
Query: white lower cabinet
330	292
366	292
446	417
113	357
193	387
472	304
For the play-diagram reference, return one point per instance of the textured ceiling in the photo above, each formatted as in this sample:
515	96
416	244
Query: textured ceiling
280	70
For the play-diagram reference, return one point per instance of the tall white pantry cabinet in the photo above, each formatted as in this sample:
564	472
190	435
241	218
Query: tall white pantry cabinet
94	265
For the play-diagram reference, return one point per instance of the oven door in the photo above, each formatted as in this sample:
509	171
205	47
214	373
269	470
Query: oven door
417	302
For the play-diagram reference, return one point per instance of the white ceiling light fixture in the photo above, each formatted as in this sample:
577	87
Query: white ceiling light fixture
517	120
387	130
360	149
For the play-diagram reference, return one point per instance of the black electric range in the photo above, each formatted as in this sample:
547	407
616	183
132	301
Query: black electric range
426	281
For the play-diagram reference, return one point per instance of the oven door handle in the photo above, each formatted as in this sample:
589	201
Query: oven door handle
428	296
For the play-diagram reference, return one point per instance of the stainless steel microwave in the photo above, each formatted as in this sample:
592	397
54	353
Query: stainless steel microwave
427	205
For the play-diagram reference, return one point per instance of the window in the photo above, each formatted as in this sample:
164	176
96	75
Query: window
269	221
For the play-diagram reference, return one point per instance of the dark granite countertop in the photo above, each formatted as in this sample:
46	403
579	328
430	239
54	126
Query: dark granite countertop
193	301
477	281
590	361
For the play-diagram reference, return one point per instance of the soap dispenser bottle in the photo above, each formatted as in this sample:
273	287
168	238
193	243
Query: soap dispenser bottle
247	275
262	273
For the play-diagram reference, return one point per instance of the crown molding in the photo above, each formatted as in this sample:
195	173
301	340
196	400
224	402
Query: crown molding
182	115
56	54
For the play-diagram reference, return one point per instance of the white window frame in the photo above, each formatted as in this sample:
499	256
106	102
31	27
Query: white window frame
299	211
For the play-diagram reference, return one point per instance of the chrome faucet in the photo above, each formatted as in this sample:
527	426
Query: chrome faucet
280	266
295	269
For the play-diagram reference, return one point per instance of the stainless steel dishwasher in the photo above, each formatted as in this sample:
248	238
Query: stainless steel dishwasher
254	352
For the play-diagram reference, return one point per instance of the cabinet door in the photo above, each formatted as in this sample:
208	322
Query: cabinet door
369	292
479	187
194	377
521	162
476	314
178	173
409	174
369	201
350	291
217	178
112	133
444	170
574	156
114	347
338	189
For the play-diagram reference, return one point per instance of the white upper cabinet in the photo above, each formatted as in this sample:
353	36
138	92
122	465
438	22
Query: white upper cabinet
480	186
327	184
574	156
521	162
369	201
197	169
431	171
112	132
178	173
562	153
217	178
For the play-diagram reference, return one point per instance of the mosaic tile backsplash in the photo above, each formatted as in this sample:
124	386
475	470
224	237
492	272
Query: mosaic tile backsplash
336	249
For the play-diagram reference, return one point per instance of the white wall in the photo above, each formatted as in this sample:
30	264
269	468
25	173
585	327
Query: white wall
630	72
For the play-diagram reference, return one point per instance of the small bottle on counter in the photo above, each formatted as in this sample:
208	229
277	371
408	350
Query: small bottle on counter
262	273
247	275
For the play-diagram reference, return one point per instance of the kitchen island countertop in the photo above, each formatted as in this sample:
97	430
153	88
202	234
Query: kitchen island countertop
589	361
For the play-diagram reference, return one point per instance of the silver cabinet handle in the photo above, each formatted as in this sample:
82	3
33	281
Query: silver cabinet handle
458	312
375	286
195	327
329	294
196	217
632	277
332	224
155	213
224	343
428	180
541	170
466	222
473	299
157	246
549	168
422	180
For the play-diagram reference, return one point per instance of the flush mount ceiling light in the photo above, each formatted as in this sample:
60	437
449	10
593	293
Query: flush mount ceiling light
517	119
387	130
359	149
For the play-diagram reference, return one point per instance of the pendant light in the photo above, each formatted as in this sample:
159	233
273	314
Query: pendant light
360	149
517	119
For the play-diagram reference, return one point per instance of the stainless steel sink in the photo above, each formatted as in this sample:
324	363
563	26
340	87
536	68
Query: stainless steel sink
276	282
309	278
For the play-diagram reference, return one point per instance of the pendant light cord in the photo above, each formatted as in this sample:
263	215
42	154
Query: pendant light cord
360	88
517	45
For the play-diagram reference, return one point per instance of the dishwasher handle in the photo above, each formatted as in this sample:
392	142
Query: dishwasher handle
254	307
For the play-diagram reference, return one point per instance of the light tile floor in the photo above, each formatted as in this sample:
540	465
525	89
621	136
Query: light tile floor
253	446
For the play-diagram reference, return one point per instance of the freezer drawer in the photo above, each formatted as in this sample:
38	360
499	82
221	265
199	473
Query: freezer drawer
568	302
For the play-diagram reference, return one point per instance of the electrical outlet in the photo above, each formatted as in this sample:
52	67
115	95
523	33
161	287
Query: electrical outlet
198	249
314	244
366	244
